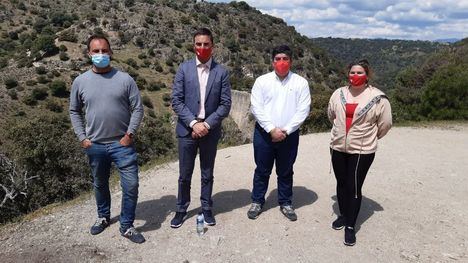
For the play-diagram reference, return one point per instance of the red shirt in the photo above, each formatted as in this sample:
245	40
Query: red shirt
350	108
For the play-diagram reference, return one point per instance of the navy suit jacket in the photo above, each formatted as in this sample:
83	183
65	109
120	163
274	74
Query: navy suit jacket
186	96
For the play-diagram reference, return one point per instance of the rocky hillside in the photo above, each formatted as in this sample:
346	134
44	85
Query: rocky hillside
42	49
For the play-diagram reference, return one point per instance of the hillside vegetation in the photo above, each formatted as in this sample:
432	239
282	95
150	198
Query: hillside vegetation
386	57
42	49
435	90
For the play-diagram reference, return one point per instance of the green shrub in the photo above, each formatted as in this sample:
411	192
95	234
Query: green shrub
63	48
149	20
155	139
155	86
58	88
445	97
11	83
141	83
63	56
3	62
158	67
39	93
68	35
41	70
29	100
147	101
13	94
166	97
54	105
42	79
139	42
46	44
131	62
47	151
169	61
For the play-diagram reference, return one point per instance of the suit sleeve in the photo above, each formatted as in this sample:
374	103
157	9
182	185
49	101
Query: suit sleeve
224	106
178	98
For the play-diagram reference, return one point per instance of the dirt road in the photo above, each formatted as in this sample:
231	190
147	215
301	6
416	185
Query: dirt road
414	209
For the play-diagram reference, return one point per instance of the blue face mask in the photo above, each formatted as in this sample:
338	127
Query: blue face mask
100	60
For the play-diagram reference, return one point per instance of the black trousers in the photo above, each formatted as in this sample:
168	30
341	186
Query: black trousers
349	181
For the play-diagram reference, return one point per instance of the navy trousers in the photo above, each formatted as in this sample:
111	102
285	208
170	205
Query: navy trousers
188	148
266	153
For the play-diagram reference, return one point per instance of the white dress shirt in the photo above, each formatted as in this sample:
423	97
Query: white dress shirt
280	104
203	71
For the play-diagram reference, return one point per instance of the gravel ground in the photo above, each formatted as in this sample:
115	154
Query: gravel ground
414	209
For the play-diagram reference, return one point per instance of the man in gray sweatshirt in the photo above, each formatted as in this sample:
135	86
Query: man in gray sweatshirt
105	111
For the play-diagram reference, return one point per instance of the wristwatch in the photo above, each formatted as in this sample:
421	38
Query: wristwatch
129	135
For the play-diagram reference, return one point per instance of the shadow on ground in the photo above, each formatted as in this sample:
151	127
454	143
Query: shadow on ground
301	197
155	212
368	208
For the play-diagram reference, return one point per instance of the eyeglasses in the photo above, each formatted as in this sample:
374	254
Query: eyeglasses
281	58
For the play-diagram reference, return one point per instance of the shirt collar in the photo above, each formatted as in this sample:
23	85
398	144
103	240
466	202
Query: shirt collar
285	79
208	63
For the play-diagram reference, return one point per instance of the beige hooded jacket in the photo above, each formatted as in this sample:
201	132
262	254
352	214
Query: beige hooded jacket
372	120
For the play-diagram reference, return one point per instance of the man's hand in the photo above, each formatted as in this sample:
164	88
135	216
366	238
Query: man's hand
200	130
126	140
277	135
86	143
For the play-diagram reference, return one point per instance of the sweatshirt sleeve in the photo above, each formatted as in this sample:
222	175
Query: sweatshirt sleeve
76	111
136	107
384	121
331	109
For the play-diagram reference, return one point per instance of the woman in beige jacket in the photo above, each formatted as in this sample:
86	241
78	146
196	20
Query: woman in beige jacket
361	114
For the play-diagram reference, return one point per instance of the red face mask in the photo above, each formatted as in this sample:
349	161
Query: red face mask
357	80
282	67
203	54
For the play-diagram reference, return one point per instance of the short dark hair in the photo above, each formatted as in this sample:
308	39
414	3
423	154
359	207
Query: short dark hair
203	32
285	49
93	37
363	63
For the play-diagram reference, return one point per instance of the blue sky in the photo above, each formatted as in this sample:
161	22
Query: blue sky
392	19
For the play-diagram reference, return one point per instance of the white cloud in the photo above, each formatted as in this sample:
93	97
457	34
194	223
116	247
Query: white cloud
405	19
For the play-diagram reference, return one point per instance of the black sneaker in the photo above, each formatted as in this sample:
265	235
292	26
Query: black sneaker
254	211
99	226
339	223
349	236
178	219
133	235
288	212
209	218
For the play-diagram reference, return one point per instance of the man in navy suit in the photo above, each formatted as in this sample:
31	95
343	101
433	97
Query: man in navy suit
201	98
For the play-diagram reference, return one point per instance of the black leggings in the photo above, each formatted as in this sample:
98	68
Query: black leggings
348	194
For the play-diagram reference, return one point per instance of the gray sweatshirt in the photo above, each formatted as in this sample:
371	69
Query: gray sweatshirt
103	107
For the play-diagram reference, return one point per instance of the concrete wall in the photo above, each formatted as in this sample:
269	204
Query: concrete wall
240	113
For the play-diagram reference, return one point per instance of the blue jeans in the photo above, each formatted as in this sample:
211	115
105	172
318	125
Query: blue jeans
266	153
101	157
